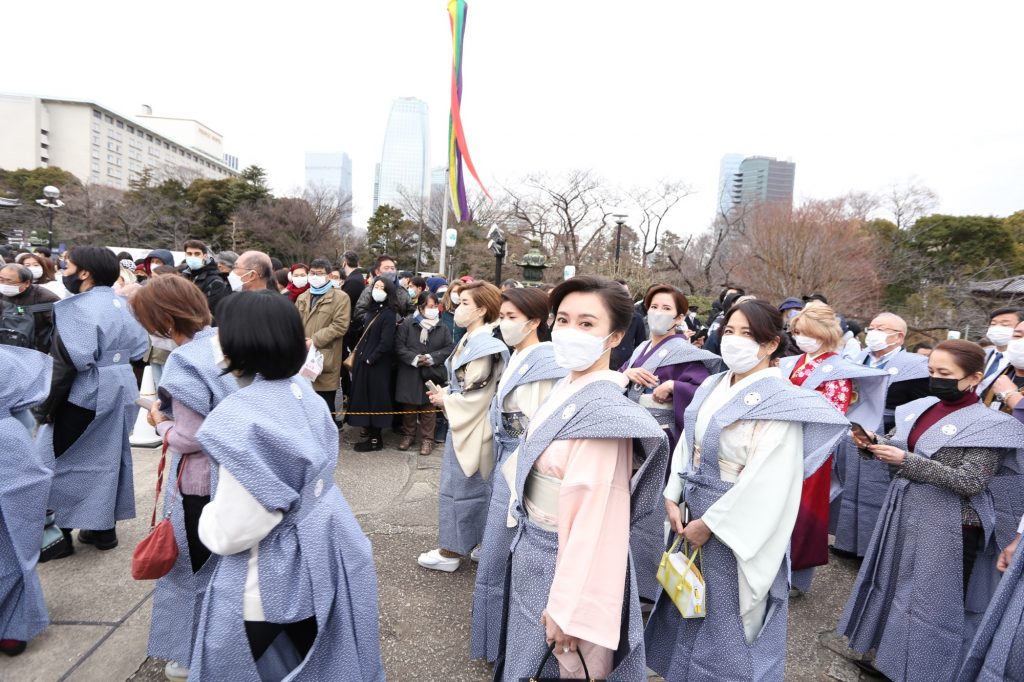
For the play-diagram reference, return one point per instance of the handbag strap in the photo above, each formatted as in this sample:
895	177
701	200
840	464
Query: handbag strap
551	650
160	479
363	335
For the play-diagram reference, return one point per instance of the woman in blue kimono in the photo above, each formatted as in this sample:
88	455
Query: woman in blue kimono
474	368
191	386
525	383
570	582
930	559
997	652
24	487
751	439
91	407
664	373
293	593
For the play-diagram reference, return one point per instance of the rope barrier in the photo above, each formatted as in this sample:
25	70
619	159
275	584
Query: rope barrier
378	414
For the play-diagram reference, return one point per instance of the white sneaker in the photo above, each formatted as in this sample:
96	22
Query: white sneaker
433	560
175	672
475	554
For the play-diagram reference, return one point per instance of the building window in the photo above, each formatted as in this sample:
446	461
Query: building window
97	114
149	138
109	119
96	139
140	134
120	124
95	127
131	130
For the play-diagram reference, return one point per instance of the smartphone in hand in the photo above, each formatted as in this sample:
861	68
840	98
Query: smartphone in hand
861	438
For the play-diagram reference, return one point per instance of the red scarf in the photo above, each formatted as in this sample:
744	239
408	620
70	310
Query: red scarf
294	292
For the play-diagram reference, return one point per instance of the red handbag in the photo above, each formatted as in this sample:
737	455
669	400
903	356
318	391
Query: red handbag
156	554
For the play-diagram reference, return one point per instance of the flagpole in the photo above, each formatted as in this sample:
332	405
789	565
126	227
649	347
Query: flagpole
444	224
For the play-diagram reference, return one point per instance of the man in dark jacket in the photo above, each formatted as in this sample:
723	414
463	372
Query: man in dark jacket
384	266
17	290
353	284
205	274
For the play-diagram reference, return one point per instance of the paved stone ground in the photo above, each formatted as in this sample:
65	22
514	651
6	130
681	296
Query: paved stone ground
101	616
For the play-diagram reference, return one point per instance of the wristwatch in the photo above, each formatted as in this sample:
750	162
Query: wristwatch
1003	395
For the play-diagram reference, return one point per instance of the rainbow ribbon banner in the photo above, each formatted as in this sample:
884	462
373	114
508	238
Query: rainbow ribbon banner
457	148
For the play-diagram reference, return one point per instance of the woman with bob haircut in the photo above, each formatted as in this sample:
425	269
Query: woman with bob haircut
858	392
473	372
751	438
293	558
526	382
572	585
192	385
938	534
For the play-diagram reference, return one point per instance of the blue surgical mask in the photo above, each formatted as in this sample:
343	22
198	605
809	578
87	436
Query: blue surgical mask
194	262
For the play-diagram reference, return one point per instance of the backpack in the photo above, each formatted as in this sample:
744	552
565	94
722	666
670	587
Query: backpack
18	323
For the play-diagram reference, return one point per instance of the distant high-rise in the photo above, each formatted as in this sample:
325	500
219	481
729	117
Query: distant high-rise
404	168
727	171
329	170
762	179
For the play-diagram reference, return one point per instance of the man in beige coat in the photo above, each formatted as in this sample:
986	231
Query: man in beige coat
325	313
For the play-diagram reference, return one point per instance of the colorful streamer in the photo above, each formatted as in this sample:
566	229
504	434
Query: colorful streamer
457	148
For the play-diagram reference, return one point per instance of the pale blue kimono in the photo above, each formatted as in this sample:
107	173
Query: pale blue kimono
191	377
92	480
279	440
24	487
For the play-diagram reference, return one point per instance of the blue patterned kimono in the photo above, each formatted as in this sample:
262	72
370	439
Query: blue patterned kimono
599	410
997	652
462	502
714	648
865	482
92	480
24	487
489	593
279	440
908	601
191	377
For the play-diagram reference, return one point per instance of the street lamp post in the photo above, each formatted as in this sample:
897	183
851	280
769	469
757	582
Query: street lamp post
50	201
497	246
620	220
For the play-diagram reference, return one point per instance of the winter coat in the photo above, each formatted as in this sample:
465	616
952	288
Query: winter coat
326	320
411	385
371	371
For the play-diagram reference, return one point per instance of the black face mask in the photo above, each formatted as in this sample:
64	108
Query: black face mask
72	283
947	390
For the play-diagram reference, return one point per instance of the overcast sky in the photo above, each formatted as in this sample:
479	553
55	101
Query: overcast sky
859	95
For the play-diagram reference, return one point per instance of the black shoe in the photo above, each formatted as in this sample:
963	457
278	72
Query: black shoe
59	549
101	539
12	647
870	670
842	553
369	445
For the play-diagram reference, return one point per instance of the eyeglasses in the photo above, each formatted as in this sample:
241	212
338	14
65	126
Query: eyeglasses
883	329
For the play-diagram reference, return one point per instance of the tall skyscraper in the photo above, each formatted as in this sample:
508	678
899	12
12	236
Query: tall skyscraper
329	170
726	175
758	179
404	167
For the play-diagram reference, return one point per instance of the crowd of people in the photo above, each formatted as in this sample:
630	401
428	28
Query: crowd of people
593	443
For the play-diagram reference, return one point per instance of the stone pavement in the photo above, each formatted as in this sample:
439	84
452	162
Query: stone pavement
100	616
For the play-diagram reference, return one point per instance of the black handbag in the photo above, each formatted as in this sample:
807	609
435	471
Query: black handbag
551	649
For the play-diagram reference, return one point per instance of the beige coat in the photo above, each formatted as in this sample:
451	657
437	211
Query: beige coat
326	323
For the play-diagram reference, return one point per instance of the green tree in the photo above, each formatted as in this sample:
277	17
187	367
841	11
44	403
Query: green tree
388	231
965	246
28	185
1015	223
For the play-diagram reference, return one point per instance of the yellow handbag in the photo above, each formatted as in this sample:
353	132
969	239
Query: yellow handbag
682	581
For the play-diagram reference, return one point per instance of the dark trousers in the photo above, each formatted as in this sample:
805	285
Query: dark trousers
329	398
426	421
69	423
262	634
972	543
193	508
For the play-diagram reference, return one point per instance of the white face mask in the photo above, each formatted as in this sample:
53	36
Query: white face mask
877	340
454	298
299	282
514	331
336	283
430	313
463	316
317	281
576	350
235	280
807	344
1000	336
1015	353
9	290
659	322
36	270
740	354
379	295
